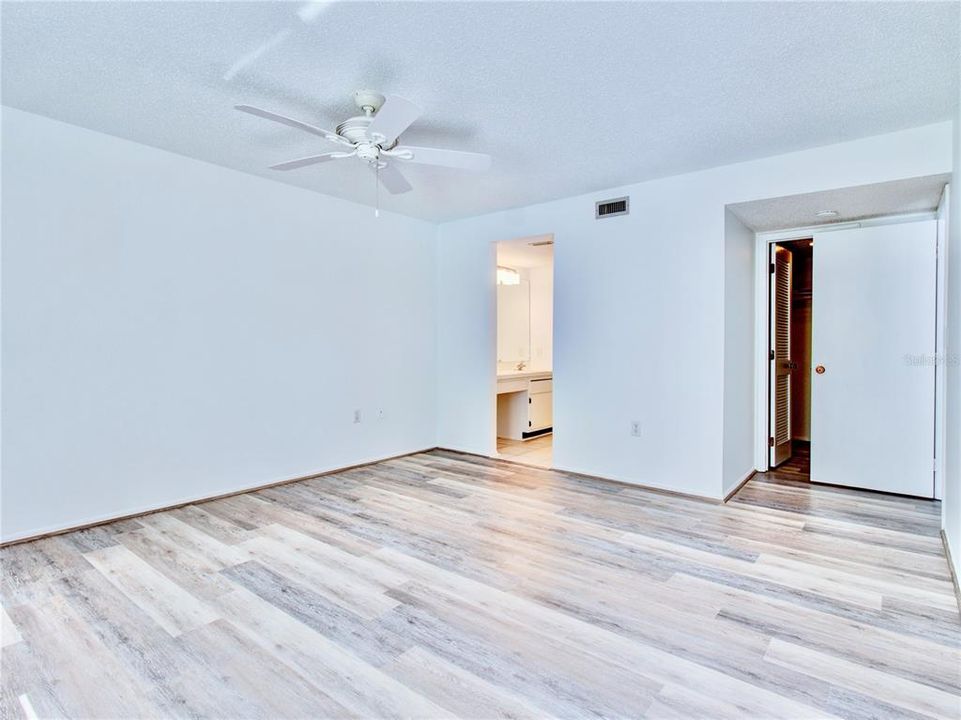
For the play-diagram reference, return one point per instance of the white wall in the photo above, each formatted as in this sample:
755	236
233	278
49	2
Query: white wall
206	330
739	249
173	329
639	311
951	506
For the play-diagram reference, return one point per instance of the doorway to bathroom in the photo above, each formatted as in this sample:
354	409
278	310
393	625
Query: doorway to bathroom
525	338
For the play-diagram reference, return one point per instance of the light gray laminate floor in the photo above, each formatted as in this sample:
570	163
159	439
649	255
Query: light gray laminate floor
443	585
536	451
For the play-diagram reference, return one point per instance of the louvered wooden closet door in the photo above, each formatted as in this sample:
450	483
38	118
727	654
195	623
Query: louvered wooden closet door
781	362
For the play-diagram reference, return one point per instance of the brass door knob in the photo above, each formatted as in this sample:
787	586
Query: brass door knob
819	369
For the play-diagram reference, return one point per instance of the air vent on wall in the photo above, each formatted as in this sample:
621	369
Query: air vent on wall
611	208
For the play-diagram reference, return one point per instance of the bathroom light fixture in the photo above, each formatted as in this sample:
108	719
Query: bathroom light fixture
826	213
507	276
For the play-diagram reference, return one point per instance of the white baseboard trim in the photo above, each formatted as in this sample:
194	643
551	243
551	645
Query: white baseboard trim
741	483
590	475
149	509
468	451
643	486
954	574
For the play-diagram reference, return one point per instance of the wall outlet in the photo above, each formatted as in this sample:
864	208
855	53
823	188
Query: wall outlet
635	428
380	414
356	416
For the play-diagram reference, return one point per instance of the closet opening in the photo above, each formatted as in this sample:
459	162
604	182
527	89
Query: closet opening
791	294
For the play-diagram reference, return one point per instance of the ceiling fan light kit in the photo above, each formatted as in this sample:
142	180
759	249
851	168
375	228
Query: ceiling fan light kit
374	138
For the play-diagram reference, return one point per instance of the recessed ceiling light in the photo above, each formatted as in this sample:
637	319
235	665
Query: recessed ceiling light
827	213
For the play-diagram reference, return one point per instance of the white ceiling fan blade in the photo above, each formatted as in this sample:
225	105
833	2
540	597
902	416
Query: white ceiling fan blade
268	115
445	158
393	179
392	119
310	160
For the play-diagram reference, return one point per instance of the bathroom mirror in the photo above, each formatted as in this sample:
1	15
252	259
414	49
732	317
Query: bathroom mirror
514	323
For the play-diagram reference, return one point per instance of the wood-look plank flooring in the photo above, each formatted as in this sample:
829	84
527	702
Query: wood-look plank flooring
797	467
536	451
444	585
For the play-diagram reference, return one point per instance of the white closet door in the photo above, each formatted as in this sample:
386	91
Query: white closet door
872	396
781	356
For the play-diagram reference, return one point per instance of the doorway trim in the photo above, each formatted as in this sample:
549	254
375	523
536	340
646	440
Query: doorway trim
941	346
763	241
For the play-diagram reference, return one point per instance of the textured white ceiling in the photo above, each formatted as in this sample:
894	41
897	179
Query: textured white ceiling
568	97
851	203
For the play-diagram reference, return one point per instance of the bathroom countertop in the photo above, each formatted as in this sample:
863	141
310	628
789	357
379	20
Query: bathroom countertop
525	374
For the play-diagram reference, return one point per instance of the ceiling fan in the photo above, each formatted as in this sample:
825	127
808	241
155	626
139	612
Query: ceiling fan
373	138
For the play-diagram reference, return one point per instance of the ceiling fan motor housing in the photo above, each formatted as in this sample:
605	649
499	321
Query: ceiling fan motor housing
355	130
368	151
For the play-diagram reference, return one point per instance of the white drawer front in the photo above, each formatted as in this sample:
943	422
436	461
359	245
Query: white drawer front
509	386
542	386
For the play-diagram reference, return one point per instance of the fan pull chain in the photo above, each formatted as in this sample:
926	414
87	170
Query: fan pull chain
377	190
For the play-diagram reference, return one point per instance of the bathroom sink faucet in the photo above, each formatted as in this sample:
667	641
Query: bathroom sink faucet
521	365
